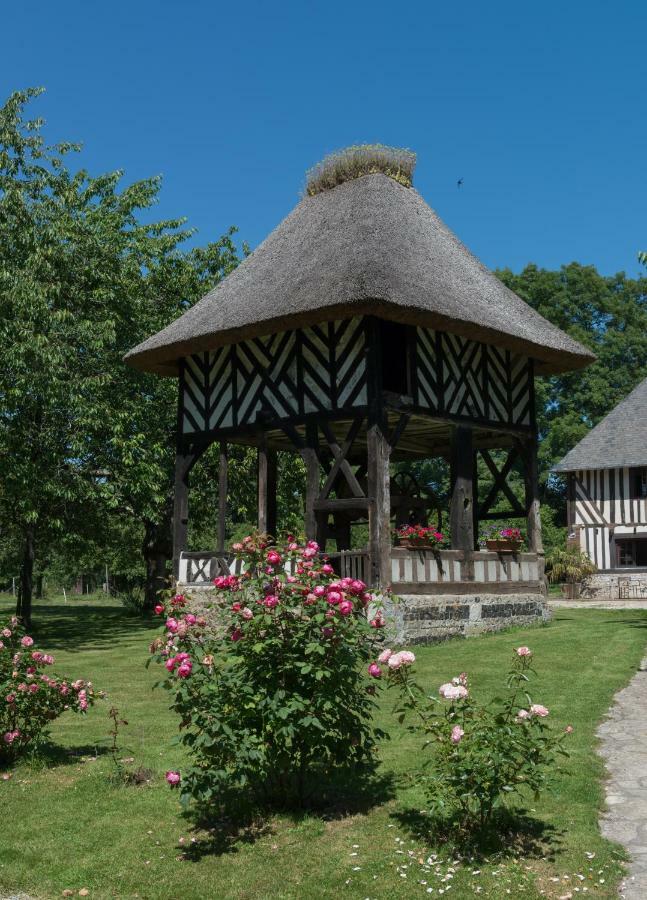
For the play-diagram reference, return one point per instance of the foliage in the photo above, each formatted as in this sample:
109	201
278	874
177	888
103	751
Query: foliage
363	159
422	535
570	565
272	693
481	753
30	699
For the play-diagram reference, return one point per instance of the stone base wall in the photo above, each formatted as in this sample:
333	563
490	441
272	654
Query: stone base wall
615	586
424	618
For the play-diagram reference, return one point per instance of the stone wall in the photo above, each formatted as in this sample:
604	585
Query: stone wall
615	586
423	618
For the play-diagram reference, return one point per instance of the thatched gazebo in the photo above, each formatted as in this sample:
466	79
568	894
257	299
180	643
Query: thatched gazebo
361	332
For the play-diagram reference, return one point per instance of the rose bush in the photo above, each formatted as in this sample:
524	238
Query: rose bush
274	682
31	697
481	753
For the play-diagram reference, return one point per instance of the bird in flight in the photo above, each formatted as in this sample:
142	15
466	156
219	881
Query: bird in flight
459	183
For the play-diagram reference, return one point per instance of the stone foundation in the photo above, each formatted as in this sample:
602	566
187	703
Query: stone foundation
615	586
424	618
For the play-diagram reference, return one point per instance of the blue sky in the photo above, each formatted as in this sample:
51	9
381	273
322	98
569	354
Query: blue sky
540	108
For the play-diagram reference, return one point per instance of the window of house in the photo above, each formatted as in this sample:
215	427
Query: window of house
395	357
632	552
638	482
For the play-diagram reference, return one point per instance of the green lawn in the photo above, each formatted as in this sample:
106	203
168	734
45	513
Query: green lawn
68	826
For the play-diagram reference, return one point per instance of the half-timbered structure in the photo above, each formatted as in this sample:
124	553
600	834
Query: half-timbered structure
607	498
360	333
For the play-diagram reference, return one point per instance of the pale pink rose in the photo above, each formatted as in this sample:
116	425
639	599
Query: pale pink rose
11	698
407	657
379	621
1	646
309	553
27	641
569	729
6	633
374	670
524	651
47	659
83	700
385	655
237	546
394	661
345	607
538	710
451	691
207	660
173	778
293	546
457	734
246	613
522	714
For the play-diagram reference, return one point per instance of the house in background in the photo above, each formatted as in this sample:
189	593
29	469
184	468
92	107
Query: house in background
607	498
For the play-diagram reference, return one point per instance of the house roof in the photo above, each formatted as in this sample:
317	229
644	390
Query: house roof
367	246
619	440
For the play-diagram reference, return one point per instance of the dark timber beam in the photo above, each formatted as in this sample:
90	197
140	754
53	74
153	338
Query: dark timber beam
311	462
222	496
183	463
379	509
531	479
267	490
461	513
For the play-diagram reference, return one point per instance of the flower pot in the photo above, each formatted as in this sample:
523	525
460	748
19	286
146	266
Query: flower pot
504	545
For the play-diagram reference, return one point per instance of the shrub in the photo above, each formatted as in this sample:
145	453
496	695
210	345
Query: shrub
29	697
364	159
481	753
272	683
570	565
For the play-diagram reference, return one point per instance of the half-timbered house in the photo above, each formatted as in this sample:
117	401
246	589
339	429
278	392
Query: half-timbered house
361	333
607	498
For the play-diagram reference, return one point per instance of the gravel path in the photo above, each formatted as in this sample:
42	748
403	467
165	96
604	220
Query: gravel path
623	737
597	604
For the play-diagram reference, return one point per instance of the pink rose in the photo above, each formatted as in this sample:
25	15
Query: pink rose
309	553
457	734
47	659
538	710
271	601
185	669
159	609
327	569
524	651
246	613
190	619
327	632
27	641
1	646
83	700
357	586
6	633
173	778
237	546
236	635
312	545
379	621
273	558
522	714
310	600
292	546
171	625
374	670
334	597
169	665
451	691
385	655
346	607
33	688
319	591
10	736
11	698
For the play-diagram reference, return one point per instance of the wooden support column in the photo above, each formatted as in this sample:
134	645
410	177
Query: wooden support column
311	462
183	462
379	509
223	486
461	513
531	478
267	490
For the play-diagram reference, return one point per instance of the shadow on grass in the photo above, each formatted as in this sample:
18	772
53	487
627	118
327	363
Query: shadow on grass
235	823
512	832
90	626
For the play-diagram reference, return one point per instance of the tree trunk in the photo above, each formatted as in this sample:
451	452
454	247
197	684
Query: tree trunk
23	607
39	586
157	549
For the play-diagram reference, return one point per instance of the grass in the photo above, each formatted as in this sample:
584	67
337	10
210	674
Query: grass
71	826
364	159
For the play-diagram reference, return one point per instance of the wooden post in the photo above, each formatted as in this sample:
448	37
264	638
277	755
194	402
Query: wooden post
180	508
379	509
266	490
311	462
223	471
531	477
461	514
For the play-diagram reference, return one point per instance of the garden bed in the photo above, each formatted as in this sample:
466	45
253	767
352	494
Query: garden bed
73	827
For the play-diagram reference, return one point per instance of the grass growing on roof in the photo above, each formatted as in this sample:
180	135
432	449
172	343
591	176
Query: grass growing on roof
363	159
70	826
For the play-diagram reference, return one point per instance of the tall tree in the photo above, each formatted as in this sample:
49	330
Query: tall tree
81	280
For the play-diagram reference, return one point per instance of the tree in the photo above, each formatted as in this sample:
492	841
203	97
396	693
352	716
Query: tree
82	280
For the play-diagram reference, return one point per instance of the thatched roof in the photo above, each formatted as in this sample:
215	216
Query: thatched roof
369	245
619	440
